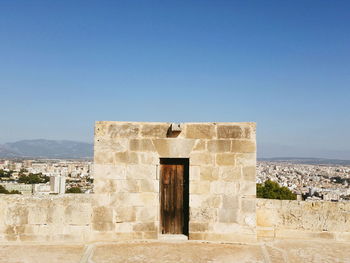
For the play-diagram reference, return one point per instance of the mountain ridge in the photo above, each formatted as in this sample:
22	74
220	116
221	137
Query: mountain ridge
43	148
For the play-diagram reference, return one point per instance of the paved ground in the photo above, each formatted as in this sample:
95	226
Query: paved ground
277	251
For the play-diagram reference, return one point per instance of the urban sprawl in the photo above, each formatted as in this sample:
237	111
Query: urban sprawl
309	182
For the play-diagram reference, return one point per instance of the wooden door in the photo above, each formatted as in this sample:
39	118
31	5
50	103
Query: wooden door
172	198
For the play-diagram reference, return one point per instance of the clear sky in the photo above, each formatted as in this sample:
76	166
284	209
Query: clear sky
282	64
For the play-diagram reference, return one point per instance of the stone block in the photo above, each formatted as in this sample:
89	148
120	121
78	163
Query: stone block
17	215
100	129
105	171
243	146
149	158
230	132
106	186
77	214
246	159
219	146
194	173
249	173
141	171
198	227
125	214
128	186
196	236
225	159
221	187
141	145
249	219
200	145
123	130
248	205
228	215
150	226
203	214
209	173
230	202
126	199
150	199
158	130
230	173
173	147
147	213
200	187
102	219
147	185
111	145
102	157
212	201
125	158
247	188
200	131
201	158
124	227
150	235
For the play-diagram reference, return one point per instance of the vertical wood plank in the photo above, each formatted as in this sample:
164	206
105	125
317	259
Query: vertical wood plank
172	191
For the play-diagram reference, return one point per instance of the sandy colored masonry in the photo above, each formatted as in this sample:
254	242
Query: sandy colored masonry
125	205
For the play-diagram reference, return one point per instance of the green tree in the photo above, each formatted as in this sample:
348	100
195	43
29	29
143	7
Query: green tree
4	191
74	190
272	190
33	179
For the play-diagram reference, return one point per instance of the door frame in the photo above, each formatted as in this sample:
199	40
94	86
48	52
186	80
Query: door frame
186	191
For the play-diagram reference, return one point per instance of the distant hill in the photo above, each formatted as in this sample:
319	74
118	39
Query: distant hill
51	149
307	160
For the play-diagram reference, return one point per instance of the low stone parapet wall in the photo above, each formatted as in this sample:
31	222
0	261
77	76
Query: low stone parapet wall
46	218
279	219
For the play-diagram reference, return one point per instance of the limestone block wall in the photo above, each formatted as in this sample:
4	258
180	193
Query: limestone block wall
303	220
222	159
45	218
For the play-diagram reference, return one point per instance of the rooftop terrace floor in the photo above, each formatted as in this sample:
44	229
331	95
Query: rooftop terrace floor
188	251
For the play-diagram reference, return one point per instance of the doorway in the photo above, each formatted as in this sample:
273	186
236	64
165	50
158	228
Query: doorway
174	195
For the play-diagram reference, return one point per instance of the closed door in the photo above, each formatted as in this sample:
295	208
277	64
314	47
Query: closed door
172	198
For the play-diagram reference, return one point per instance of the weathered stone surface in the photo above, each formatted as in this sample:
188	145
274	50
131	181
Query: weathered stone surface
198	227
249	173
158	130
123	130
221	187
141	171
230	202
228	215
200	145
110	171
209	173
125	158
174	148
102	219
218	146
200	131
230	174
202	158
200	187
150	226
241	146
125	214
225	159
248	205
230	131
141	145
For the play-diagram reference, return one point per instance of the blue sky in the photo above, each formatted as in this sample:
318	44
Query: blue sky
282	64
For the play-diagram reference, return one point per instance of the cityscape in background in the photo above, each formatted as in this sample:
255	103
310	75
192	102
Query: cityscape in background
46	176
329	182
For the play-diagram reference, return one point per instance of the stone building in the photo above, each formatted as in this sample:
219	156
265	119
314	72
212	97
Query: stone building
192	180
